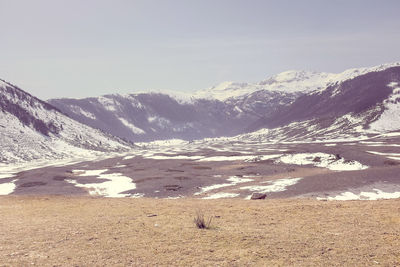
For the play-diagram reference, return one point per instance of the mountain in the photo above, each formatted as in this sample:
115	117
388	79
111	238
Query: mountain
233	108
362	105
288	82
152	116
33	129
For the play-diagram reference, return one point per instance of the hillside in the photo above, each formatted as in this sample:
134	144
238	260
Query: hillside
315	100
31	129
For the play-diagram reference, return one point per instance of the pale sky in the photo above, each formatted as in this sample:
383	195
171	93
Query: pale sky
82	48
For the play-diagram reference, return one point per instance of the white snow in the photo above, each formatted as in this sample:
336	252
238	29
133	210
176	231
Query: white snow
262	157
377	194
395	156
289	82
322	160
134	129
238	180
180	96
371	143
108	103
120	166
390	118
175	157
274	186
6	175
234	180
394	134
224	158
7	188
384	154
165	143
137	195
212	187
244	158
221	195
114	186
23	144
160	121
78	110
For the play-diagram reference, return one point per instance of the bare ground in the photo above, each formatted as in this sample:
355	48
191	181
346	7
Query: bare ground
84	231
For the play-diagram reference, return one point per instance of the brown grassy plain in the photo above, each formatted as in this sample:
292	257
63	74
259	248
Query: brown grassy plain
83	231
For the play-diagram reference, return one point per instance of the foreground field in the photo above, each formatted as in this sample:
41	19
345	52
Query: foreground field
82	231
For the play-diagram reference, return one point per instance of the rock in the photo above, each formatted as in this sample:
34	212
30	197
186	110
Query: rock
255	196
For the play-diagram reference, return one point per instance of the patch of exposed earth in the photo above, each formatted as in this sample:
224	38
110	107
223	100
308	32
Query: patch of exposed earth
356	169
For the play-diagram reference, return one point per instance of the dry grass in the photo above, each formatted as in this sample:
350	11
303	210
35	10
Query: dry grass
201	221
63	231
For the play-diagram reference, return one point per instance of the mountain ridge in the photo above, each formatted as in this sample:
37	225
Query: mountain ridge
234	108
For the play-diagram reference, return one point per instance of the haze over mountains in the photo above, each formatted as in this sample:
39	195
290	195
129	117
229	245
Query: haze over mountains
292	105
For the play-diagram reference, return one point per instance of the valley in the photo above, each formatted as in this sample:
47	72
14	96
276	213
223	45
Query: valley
301	169
363	168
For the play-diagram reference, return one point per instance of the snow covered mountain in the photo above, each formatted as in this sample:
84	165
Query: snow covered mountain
33	129
359	106
288	82
153	116
233	108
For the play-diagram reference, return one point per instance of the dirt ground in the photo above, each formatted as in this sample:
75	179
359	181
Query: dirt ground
84	231
175	173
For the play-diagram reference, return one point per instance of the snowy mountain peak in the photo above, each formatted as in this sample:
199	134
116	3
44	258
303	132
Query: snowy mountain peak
227	85
227	90
292	81
291	76
354	72
297	81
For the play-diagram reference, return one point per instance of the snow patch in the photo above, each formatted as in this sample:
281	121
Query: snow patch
134	129
78	110
234	180
383	154
242	157
323	160
7	188
175	157
116	184
108	104
221	195
390	118
378	194
6	175
274	186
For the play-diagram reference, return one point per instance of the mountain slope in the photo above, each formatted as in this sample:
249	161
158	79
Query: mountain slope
232	108
151	116
364	104
33	129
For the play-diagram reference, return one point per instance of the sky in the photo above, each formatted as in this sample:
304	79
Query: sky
83	48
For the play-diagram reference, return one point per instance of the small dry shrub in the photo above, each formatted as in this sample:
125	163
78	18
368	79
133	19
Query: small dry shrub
201	221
